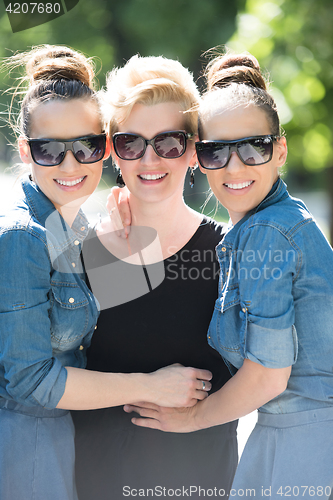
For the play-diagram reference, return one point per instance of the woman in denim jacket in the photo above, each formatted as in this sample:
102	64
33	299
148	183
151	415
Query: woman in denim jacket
273	318
47	312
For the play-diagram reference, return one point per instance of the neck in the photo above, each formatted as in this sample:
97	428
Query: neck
68	214
173	220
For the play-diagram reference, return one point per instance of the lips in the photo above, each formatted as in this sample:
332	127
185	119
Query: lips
62	182
240	185
152	177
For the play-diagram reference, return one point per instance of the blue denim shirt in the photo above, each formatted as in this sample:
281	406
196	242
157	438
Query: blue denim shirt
47	313
275	304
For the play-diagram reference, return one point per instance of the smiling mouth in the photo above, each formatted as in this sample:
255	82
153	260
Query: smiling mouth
242	185
70	183
152	177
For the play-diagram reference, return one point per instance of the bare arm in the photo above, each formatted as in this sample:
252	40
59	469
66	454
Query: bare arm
171	386
251	387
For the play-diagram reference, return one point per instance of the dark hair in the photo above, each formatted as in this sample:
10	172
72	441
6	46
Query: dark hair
51	72
234	79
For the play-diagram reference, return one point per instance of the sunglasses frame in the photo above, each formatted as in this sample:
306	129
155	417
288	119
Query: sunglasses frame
151	142
233	146
68	147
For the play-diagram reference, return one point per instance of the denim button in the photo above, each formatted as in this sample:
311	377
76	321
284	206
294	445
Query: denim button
71	300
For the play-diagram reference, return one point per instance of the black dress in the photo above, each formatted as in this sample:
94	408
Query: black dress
169	324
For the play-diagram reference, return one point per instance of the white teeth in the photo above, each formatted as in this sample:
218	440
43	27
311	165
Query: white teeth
150	177
69	183
239	186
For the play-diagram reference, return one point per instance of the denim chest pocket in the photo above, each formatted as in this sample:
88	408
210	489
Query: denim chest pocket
227	330
69	315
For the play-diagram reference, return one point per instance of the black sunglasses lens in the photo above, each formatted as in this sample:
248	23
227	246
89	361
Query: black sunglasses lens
170	145
212	155
256	151
89	150
128	146
47	153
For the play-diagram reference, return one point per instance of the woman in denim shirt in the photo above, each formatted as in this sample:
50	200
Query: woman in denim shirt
47	312
273	318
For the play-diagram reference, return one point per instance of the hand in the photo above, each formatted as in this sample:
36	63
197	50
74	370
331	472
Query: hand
164	419
178	386
119	210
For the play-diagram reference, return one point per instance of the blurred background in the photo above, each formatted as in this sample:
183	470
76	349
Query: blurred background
292	39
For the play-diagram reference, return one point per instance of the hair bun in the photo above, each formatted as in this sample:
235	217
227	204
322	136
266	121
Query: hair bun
234	68
51	62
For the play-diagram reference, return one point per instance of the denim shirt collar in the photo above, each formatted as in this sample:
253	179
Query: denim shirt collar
277	193
47	215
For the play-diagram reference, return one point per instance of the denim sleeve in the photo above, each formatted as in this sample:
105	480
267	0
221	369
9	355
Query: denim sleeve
267	265
30	373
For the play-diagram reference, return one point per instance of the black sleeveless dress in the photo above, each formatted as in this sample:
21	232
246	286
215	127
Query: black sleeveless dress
166	325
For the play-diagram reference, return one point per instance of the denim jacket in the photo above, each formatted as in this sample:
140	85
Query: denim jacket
275	304
47	313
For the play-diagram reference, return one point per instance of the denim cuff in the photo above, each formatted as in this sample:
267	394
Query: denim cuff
51	389
271	348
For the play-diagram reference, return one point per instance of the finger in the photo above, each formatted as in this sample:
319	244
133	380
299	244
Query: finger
203	374
114	212
146	412
124	208
147	422
128	408
202	395
112	199
203	385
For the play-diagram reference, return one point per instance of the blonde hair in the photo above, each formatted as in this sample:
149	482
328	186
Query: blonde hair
149	81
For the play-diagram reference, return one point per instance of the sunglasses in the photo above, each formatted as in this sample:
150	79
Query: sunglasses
257	150
166	145
51	152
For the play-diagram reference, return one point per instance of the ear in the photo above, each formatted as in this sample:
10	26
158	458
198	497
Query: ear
24	150
282	151
107	148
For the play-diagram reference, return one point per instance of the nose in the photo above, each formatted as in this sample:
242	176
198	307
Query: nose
150	157
69	163
235	164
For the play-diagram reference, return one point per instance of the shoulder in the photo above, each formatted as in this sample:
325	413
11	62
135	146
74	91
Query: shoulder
287	216
214	229
20	221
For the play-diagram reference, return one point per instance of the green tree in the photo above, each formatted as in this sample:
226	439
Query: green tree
294	40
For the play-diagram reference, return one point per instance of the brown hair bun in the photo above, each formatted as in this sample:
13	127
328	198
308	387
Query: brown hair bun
234	68
56	62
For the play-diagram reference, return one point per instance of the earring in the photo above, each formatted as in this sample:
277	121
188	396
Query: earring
120	181
192	177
